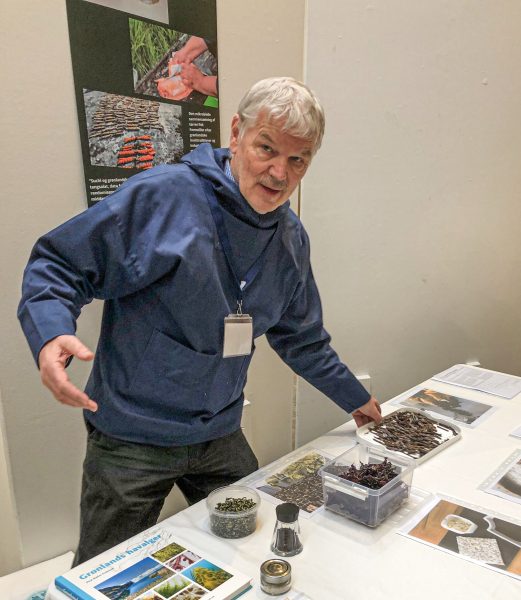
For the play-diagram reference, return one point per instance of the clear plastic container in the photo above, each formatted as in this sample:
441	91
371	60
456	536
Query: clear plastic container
236	523
360	503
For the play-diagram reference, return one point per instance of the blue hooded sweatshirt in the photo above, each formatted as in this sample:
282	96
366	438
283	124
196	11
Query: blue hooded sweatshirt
151	251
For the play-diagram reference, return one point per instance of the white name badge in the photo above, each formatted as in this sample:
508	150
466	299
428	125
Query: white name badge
238	335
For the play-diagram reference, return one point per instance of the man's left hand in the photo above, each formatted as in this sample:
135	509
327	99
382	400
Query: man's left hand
370	411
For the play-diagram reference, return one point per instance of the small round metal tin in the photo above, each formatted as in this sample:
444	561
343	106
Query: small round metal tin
275	576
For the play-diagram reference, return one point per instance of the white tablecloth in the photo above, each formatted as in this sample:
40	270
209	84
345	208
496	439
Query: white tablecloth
343	560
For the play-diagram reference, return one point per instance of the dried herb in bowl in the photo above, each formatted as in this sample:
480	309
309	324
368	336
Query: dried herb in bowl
371	475
233	517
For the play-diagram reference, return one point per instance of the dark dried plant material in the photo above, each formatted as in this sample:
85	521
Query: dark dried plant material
410	433
226	520
235	505
307	494
373	476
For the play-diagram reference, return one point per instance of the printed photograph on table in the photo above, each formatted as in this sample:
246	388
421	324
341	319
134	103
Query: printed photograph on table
467	532
297	481
506	481
452	408
172	64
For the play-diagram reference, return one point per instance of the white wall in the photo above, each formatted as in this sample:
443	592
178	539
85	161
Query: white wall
9	553
42	185
413	205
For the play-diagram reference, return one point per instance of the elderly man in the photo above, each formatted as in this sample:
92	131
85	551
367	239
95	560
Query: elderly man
194	261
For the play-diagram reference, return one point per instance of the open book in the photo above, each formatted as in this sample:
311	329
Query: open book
155	565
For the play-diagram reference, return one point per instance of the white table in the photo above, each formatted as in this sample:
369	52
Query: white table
342	559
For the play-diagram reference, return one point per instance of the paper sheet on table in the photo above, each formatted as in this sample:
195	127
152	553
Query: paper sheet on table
491	382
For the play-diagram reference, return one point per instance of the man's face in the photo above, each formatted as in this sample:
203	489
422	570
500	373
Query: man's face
267	163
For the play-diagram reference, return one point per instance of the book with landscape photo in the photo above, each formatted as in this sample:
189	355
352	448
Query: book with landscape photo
155	565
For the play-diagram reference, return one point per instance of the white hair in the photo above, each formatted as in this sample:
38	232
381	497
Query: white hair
285	100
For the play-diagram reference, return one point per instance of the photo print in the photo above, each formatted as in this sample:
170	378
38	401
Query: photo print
166	553
134	581
172	586
191	593
506	480
452	408
298	482
469	533
173	65
207	575
131	133
182	561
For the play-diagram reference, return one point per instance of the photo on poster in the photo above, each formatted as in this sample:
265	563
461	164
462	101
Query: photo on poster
506	480
173	65
469	533
157	10
131	133
452	408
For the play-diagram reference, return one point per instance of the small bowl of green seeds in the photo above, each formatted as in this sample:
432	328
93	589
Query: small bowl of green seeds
233	511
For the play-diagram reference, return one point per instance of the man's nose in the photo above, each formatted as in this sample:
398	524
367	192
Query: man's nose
279	168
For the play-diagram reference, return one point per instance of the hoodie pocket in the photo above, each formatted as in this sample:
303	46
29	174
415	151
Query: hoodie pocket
172	376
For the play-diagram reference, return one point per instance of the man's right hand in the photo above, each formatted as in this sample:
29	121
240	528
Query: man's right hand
52	359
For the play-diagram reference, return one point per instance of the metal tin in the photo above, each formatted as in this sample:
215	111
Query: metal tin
275	576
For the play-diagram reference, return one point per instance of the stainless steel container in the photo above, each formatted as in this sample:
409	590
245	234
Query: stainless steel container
275	576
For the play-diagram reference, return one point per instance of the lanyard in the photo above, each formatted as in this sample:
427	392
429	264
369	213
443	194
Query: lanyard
218	218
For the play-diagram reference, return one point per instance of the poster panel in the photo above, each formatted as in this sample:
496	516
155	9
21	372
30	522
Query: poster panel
146	83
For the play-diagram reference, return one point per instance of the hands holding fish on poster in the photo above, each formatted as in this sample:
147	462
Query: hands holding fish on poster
184	76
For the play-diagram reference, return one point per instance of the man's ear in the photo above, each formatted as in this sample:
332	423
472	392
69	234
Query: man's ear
234	134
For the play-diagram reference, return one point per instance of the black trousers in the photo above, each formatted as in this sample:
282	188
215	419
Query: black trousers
125	484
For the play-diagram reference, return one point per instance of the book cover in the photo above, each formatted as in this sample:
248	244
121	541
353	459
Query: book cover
155	565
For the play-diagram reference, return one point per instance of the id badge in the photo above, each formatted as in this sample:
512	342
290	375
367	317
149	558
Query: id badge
238	335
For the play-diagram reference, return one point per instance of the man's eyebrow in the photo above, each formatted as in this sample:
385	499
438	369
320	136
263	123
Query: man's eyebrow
266	136
307	152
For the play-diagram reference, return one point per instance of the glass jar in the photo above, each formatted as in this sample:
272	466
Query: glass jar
286	535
